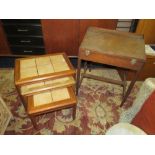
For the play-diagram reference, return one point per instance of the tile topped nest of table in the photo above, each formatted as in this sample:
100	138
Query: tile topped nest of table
45	84
42	65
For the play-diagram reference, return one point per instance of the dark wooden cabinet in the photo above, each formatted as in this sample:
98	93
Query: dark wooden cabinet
66	35
104	23
24	36
4	48
59	35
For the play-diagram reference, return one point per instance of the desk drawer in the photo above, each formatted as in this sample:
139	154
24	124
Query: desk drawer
102	58
23	30
23	50
26	40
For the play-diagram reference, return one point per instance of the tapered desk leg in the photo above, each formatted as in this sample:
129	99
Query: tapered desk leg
78	75
122	73
124	84
130	87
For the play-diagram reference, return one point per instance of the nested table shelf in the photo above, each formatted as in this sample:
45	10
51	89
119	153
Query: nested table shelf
51	100
43	72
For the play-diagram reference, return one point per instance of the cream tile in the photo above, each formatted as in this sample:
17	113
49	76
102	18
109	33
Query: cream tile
28	72
60	94
42	99
28	63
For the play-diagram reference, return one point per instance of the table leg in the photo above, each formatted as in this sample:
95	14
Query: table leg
124	83
90	66
21	98
130	87
74	112
33	120
78	75
84	72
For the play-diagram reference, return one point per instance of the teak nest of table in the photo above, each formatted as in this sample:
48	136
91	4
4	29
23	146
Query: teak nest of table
45	84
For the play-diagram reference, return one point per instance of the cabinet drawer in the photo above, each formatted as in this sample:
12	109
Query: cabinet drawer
31	41
23	30
21	50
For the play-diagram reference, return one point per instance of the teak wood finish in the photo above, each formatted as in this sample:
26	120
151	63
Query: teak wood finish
53	106
34	111
60	34
37	78
146	27
39	84
4	48
147	71
110	47
67	34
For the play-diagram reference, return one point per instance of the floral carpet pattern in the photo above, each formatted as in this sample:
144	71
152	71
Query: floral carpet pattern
97	108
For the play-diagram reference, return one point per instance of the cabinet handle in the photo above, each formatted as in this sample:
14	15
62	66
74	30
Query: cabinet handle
153	63
25	41
22	30
25	51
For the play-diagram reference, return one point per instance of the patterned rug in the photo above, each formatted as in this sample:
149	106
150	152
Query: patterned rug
97	108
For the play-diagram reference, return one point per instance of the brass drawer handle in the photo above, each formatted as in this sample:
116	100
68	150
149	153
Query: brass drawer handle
25	51
22	30
25	41
87	52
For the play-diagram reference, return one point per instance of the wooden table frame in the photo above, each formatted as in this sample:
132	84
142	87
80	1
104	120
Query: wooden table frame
27	98
125	51
123	83
51	107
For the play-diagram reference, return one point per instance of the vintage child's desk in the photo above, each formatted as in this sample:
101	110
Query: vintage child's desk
120	49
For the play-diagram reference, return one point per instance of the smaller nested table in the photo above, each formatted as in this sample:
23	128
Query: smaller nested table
123	50
45	83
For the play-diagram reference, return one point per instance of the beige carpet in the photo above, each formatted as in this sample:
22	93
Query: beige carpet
97	108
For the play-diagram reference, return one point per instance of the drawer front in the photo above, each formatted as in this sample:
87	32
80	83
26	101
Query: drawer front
123	62
27	50
23	30
30	41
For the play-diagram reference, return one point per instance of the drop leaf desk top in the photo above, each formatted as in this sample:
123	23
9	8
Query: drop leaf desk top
123	50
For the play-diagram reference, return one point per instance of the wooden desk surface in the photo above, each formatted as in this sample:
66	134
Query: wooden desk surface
112	42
